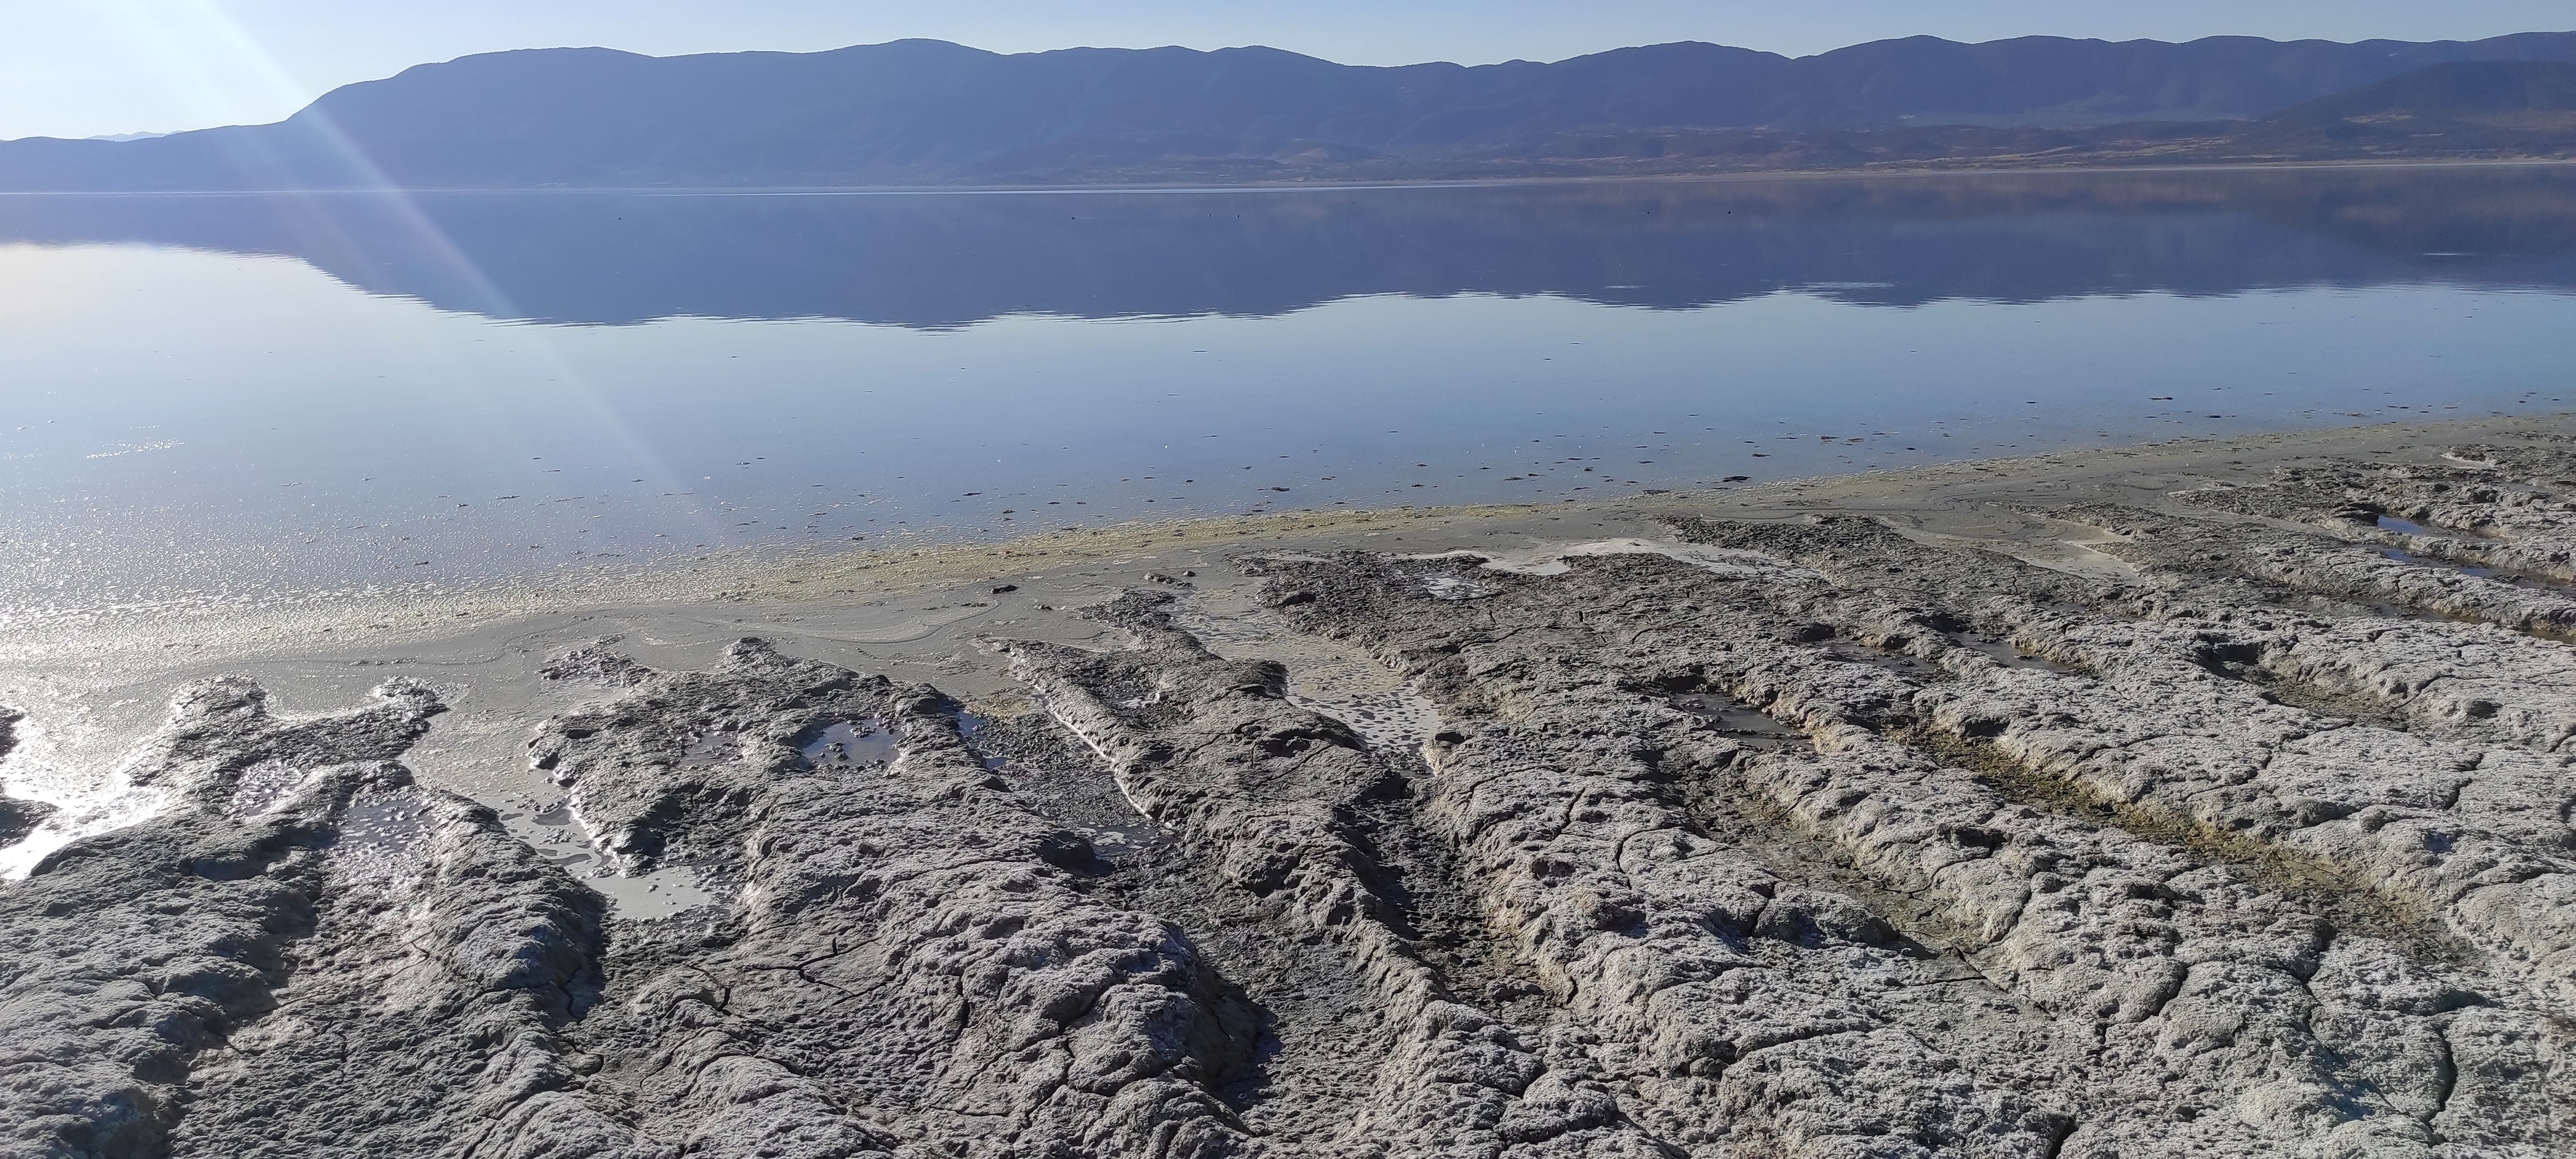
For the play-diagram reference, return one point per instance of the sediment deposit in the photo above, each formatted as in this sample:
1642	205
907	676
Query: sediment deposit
1747	837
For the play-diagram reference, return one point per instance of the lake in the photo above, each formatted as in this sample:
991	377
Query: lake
215	394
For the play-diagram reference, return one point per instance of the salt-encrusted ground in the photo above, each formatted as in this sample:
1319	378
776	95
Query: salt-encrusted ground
2222	818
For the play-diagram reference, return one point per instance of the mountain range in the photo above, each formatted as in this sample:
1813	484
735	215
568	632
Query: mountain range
929	112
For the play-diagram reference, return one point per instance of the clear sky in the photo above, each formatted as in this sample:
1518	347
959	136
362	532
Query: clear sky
75	68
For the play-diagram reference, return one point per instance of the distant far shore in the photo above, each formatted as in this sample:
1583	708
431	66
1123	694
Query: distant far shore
1320	184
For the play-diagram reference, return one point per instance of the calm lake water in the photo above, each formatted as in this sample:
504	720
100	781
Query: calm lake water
215	393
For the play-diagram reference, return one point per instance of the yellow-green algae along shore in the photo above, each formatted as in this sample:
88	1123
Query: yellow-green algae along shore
1982	500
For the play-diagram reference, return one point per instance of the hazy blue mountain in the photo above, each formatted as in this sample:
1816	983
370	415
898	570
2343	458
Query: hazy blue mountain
2463	108
932	112
2462	90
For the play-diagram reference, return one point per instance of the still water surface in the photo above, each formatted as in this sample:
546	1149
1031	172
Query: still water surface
219	393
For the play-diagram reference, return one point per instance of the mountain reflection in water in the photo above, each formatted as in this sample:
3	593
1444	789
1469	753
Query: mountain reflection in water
215	392
940	259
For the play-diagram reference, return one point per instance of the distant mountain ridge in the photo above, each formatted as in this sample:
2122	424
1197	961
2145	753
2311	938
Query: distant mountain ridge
2448	91
929	112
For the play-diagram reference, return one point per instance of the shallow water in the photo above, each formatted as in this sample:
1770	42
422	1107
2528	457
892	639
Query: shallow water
2409	527
844	745
231	396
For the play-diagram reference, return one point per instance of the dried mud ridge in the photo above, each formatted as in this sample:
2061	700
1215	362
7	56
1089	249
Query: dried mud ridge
1782	839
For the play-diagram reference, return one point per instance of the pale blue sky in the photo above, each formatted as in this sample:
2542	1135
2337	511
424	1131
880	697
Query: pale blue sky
80	67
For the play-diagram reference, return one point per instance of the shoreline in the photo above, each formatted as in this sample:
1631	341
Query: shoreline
90	682
1333	186
184	635
2233	733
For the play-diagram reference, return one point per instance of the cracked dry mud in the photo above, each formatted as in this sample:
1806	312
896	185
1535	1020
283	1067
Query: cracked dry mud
1768	839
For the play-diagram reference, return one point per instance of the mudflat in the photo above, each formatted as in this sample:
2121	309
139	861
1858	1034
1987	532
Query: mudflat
2201	798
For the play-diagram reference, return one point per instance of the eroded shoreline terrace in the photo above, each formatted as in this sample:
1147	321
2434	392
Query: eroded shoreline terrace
2199	799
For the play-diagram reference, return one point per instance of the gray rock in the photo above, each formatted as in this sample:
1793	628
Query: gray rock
306	954
2166	917
906	962
1269	793
1720	1007
1814	840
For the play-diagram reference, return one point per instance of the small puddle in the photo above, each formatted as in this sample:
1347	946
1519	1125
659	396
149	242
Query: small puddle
384	826
549	827
2410	527
558	828
849	745
666	892
2473	571
1753	727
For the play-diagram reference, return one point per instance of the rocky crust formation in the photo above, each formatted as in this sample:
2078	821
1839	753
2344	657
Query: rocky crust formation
304	953
1767	839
